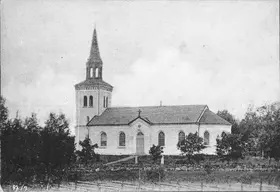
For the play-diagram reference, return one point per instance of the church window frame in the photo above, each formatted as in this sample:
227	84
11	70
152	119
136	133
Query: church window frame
85	101
91	72
96	72
122	139
181	136
91	101
161	139
106	102
103	139
206	138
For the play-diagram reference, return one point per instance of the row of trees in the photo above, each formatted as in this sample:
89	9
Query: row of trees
31	152
258	134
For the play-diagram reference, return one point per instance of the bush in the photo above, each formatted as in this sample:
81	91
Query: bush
154	175
208	168
155	152
246	178
181	161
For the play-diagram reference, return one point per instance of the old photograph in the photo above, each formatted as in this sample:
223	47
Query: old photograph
140	95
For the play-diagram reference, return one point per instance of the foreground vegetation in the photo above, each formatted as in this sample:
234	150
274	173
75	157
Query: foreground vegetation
46	154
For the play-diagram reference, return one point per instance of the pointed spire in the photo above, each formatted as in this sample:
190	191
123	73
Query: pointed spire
94	51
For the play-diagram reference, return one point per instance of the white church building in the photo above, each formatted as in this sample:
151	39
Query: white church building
133	130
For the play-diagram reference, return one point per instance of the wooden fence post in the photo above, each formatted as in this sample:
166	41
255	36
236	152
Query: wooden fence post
179	186
162	160
136	159
261	185
241	186
201	185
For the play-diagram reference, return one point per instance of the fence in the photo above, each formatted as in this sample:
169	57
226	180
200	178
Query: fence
118	186
165	186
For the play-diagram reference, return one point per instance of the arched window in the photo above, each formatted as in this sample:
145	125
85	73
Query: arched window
103	139
85	101
96	72
91	101
91	72
181	136
87	119
106	102
122	139
206	138
161	139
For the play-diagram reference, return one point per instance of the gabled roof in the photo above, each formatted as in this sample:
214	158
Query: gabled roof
143	119
209	117
180	114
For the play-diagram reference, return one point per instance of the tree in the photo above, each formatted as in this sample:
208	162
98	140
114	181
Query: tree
260	131
87	154
3	112
3	122
191	144
231	119
229	146
269	139
58	147
32	135
15	160
250	129
30	151
155	152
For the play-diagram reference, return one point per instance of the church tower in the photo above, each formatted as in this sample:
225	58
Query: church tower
93	95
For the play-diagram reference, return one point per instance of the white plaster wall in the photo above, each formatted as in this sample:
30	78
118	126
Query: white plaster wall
150	136
214	131
171	136
82	112
113	138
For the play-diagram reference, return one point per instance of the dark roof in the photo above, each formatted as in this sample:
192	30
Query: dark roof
94	51
182	114
98	83
209	117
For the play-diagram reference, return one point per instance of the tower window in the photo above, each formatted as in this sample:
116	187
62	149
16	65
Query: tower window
91	101
85	101
206	138
96	72
122	139
91	72
105	102
161	139
103	139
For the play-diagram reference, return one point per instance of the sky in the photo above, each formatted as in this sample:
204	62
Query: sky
221	53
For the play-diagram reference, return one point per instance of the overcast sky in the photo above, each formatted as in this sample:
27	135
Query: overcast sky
221	53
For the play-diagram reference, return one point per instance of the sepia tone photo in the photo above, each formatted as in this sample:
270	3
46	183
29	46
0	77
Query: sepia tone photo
140	96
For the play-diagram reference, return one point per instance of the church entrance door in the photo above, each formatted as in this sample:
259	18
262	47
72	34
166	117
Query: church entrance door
140	143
